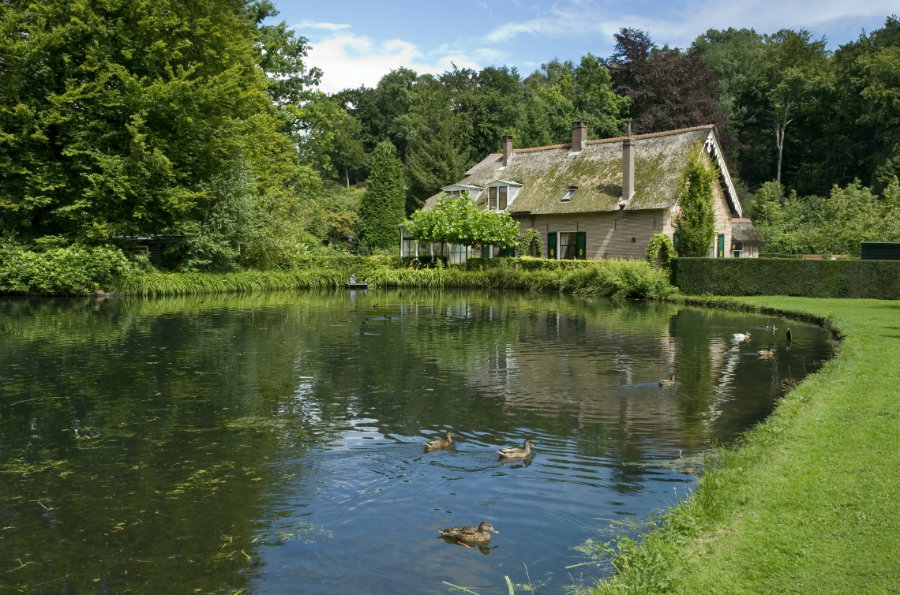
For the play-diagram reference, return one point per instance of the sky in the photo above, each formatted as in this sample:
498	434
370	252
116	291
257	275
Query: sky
356	42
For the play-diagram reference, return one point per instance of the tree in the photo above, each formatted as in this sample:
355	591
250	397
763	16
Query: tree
436	150
668	88
795	71
457	220
117	116
695	222
382	207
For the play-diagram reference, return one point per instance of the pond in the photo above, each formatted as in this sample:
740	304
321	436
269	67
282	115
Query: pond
275	443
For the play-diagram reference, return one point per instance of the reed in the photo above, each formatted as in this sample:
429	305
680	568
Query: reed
613	278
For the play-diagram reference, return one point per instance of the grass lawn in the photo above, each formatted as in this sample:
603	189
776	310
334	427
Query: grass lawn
809	501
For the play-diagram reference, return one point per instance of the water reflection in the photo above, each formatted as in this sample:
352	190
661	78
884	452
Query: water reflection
275	443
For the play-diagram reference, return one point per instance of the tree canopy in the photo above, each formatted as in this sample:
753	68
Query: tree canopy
457	220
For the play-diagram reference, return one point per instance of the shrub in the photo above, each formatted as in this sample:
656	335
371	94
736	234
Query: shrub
70	270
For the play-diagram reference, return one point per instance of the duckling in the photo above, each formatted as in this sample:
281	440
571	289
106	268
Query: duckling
437	443
515	452
667	381
466	535
771	327
766	353
740	337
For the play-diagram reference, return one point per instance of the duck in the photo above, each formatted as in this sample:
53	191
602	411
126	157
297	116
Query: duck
437	443
739	337
515	452
766	353
668	381
771	327
469	534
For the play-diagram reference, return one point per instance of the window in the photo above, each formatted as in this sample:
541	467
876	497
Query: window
737	249
454	193
569	193
572	245
568	245
497	198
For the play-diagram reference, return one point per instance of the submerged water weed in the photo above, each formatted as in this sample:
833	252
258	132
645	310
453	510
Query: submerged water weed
19	466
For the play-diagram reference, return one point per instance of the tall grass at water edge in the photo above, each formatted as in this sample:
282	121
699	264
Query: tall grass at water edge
612	278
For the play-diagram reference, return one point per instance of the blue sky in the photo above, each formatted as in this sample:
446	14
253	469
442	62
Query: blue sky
356	42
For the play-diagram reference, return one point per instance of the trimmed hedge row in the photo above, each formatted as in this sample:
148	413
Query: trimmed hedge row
878	279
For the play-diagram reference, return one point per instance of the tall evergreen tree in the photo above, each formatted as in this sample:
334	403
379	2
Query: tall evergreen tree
695	222
382	207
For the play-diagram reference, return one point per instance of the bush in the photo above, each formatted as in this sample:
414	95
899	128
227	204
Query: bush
879	279
70	270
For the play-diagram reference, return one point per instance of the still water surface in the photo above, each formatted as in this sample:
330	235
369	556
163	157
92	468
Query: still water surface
274	443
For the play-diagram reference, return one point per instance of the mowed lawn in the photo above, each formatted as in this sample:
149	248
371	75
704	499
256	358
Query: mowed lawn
809	501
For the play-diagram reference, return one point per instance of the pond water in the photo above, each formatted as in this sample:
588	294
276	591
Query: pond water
274	443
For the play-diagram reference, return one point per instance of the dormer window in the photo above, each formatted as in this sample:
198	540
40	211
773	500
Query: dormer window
570	193
498	198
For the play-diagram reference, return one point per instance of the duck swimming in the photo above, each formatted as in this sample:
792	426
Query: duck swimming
515	452
739	337
466	535
668	381
766	353
445	442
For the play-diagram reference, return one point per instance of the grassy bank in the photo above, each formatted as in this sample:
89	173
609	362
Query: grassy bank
809	501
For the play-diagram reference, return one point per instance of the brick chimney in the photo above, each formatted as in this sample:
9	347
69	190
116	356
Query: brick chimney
507	149
627	167
579	136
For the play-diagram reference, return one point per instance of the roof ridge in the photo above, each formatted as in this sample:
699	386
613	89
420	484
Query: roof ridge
616	139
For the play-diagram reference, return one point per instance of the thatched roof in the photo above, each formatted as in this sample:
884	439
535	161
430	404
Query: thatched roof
547	173
742	230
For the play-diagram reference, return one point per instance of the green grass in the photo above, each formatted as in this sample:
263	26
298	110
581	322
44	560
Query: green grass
807	502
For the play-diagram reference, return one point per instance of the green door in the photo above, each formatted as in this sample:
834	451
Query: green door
485	251
551	245
720	249
581	240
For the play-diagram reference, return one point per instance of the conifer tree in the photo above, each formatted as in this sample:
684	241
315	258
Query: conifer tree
382	207
695	223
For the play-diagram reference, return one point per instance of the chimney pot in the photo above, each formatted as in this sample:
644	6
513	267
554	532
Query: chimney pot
507	148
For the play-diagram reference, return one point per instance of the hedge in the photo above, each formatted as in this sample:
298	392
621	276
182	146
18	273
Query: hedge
878	279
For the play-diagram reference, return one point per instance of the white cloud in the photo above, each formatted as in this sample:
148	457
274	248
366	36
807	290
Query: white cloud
349	61
317	25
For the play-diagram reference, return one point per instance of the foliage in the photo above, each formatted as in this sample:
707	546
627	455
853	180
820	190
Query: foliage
530	243
661	247
607	278
696	219
834	225
669	89
69	270
113	114
382	208
457	220
877	279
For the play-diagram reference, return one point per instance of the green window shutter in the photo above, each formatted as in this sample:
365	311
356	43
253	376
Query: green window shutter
551	245
581	240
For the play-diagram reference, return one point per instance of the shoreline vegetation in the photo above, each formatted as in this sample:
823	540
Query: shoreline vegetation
807	501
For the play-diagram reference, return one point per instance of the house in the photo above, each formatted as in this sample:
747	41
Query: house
595	199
